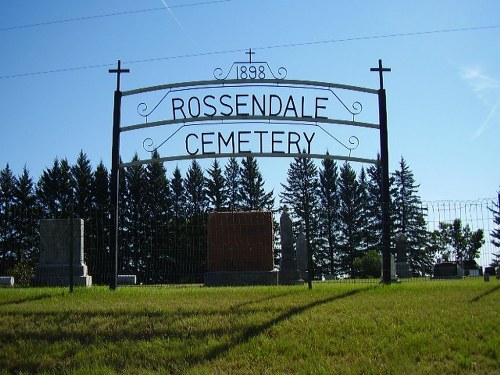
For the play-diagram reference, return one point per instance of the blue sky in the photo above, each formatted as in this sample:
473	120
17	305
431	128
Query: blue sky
443	92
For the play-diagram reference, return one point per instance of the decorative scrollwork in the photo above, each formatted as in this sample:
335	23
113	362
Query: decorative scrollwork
356	106
353	141
142	108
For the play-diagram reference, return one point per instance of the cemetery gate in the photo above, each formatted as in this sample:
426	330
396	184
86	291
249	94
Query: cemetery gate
261	96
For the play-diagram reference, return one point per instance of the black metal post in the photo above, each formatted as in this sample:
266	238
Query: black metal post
115	188
384	161
115	175
71	253
385	196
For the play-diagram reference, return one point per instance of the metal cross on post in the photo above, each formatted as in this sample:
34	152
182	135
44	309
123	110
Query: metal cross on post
384	166
380	71
250	53
118	72
115	170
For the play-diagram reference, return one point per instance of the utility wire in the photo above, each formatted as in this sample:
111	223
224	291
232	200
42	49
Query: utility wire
111	15
288	45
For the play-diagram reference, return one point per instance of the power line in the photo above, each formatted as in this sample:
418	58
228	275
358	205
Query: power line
288	45
111	15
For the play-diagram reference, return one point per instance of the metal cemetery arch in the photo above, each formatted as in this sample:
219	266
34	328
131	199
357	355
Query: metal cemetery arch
224	109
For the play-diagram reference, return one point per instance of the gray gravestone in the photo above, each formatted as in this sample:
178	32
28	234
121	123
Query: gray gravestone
56	237
301	253
288	273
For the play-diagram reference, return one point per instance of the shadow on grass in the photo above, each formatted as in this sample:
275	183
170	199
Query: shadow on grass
255	331
492	290
26	299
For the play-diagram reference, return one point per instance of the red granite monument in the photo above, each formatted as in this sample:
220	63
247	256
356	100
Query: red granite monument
240	249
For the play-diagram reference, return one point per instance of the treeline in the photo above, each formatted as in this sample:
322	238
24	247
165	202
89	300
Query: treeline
162	230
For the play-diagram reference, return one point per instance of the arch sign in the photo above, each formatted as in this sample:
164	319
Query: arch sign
276	117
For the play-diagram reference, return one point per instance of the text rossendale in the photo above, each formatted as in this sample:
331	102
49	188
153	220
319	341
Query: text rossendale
241	105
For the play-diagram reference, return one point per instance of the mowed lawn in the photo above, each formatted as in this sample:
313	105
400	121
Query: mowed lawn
426	327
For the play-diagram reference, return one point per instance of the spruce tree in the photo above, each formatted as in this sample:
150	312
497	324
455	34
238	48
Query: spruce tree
373	207
301	195
157	203
409	218
27	217
194	186
216	189
98	260
7	216
178	194
251	193
135	179
329	210
351	219
82	181
232	178
54	191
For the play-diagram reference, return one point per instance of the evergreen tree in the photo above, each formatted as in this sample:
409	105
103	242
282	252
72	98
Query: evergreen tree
98	261
232	178
178	194
409	218
374	207
329	209
194	186
351	219
301	195
135	179
216	189
54	190
157	203
364	206
7	216
27	218
251	193
82	181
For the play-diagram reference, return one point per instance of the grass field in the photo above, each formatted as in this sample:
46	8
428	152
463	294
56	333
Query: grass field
431	327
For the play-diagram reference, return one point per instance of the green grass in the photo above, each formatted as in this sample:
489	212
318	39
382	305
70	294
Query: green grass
433	327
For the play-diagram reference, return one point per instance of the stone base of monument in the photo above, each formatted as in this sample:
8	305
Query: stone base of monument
58	275
240	278
290	278
403	270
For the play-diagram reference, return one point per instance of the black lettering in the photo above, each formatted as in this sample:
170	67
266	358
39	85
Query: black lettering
197	106
241	141
273	141
290	106
303	111
226	143
309	140
226	105
206	142
294	141
187	144
319	107
260	132
271	97
241	104
255	103
176	108
212	114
